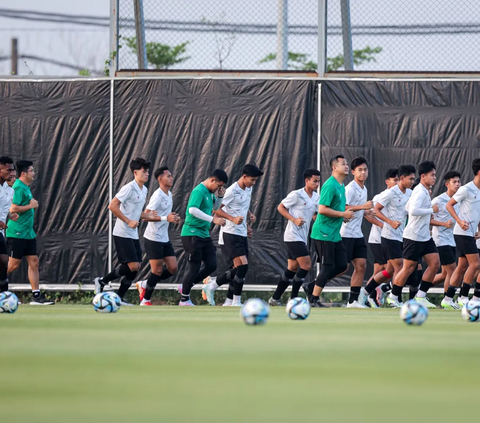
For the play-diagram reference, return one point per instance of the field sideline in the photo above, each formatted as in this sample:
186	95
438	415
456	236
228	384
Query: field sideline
203	365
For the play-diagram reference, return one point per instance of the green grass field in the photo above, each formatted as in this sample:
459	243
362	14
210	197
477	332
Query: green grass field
203	364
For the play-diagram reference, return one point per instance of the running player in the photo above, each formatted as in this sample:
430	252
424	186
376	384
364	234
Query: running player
465	232
233	237
299	208
196	239
442	232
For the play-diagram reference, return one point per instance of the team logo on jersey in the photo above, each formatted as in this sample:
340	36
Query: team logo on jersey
304	204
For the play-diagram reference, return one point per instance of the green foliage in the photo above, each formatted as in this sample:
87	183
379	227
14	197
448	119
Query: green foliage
161	56
300	61
84	72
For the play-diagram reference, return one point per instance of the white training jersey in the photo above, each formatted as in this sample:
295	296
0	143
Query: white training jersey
162	204
441	235
376	231
300	204
6	197
132	200
236	202
355	196
419	209
468	199
393	201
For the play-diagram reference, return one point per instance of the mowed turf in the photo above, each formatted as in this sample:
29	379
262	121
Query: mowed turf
170	364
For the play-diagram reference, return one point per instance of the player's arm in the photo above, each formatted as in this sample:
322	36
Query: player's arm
378	212
114	207
447	224
237	220
298	221
374	221
17	198
327	211
450	208
367	206
252	217
415	207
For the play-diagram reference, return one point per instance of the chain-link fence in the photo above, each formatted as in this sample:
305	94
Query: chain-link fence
407	35
219	34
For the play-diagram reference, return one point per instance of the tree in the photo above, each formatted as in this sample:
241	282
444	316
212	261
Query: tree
223	43
300	61
159	55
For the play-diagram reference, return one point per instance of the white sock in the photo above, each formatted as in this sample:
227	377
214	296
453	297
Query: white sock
144	301
448	299
421	294
144	284
237	298
393	297
228	301
212	286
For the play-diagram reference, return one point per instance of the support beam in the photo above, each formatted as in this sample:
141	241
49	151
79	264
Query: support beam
140	35
282	35
347	35
322	38
113	53
14	70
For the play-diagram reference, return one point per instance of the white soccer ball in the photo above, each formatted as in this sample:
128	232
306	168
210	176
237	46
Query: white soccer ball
116	297
471	312
255	312
104	303
298	308
413	313
8	302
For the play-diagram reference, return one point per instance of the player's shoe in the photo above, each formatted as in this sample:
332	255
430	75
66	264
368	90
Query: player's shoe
228	302
107	287
274	303
307	290
461	301
140	289
145	302
425	302
98	285
450	305
355	304
317	304
393	302
208	295
124	303
372	302
380	295
236	304
186	304
40	300
362	298
180	289
474	303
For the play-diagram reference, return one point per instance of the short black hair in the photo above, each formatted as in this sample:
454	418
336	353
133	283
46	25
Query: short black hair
310	172
138	163
220	175
335	159
476	166
452	174
416	183
426	167
23	165
252	170
405	170
160	171
358	161
391	173
4	160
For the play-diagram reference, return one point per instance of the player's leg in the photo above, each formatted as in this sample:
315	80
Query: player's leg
285	280
304	266
3	264
359	261
241	264
456	281
395	296
193	253
156	269
432	259
448	302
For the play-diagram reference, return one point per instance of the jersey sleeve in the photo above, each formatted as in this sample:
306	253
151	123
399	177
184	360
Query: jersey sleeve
290	200
124	193
196	199
349	194
326	196
461	194
228	197
19	197
153	203
385	197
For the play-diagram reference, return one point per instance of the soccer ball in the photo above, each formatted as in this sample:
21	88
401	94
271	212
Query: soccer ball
471	312
116	297
8	302
298	308
105	303
255	312
413	313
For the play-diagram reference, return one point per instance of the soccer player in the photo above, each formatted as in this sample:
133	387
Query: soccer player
159	249
390	208
233	237
375	238
417	241
127	206
21	237
465	232
351	231
326	230
299	208
7	174
196	239
442	231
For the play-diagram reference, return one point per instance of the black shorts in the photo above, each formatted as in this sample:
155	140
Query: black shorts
197	248
20	248
128	250
448	255
158	250
296	249
415	250
356	248
3	246
234	246
465	245
327	251
392	249
378	256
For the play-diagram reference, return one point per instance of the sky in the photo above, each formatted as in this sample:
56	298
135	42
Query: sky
88	47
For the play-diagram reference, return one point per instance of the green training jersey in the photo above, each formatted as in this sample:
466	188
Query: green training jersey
23	226
202	199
